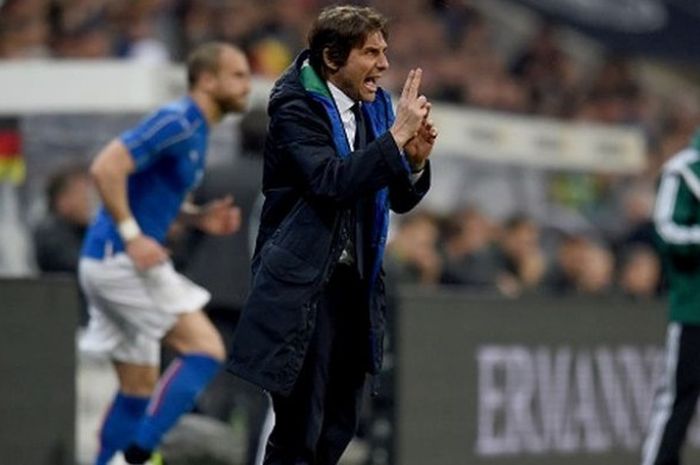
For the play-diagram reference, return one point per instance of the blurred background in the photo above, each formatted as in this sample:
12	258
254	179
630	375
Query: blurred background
527	296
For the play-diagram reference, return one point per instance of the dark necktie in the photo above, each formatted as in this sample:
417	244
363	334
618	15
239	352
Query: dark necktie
360	128
360	143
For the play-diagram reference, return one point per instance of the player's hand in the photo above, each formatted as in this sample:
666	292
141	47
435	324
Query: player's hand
145	252
420	147
411	110
220	217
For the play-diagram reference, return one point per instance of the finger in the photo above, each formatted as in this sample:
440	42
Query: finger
152	260
428	133
221	205
235	212
415	84
211	206
407	84
428	106
422	112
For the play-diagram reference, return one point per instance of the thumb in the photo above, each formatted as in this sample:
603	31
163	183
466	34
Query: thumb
226	201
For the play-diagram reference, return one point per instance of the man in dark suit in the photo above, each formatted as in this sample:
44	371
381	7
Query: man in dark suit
336	161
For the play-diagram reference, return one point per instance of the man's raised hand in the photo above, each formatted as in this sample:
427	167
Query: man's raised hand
411	110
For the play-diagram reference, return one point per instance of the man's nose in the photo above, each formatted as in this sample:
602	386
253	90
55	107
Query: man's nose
383	62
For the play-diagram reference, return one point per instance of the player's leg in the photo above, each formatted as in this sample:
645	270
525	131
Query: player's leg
136	383
194	333
676	398
134	312
136	361
201	353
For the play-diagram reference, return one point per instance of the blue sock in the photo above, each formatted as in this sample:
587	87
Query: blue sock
175	395
120	425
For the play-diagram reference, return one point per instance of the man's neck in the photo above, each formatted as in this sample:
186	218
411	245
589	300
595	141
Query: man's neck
211	111
342	100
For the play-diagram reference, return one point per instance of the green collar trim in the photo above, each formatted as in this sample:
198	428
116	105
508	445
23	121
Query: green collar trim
312	82
695	142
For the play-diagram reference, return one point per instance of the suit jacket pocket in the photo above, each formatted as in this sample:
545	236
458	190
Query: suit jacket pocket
287	267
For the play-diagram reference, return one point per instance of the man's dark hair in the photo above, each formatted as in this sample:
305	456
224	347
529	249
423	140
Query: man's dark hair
204	58
60	181
518	220
340	29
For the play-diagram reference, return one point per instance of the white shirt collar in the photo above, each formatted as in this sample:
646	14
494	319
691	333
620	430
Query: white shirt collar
342	101
347	117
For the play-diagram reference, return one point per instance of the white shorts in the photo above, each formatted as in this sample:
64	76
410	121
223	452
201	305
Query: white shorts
131	311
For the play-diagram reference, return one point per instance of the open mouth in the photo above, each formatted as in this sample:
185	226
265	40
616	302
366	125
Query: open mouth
371	83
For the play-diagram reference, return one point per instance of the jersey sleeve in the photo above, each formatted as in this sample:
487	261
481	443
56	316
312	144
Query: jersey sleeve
152	138
676	214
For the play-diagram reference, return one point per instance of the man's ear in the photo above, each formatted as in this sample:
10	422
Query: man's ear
207	81
328	62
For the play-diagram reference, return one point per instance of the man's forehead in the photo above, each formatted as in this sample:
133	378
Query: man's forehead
375	40
233	58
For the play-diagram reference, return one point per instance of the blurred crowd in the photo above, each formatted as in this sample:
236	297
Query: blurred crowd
517	257
467	248
458	44
452	39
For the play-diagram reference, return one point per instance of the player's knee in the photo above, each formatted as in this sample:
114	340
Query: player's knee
138	382
143	388
211	345
216	347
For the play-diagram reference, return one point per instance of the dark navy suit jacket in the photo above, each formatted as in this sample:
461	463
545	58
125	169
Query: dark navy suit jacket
310	190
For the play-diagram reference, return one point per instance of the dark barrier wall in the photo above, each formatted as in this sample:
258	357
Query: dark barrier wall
37	371
525	382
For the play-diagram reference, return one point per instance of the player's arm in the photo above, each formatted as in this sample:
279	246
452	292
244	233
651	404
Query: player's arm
675	216
218	217
110	171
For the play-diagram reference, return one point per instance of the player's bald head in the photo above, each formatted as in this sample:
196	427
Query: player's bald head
207	59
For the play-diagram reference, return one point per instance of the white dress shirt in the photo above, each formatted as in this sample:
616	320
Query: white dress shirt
347	117
345	104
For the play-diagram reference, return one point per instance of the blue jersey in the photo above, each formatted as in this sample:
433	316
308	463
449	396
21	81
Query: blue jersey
169	151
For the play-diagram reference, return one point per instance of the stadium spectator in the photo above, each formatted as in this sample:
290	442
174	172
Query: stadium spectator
137	38
58	237
24	29
412	253
547	74
469	259
596	273
636	227
521	260
563	274
640	273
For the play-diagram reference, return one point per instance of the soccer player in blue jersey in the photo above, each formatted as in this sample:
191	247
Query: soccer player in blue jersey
136	298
